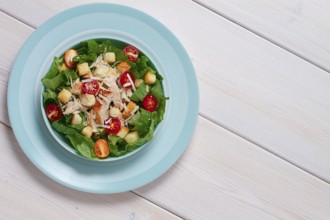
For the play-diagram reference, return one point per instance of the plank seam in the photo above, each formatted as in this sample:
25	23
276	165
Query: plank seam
263	148
18	19
246	139
261	35
179	216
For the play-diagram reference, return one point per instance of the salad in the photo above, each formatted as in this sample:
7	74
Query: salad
105	97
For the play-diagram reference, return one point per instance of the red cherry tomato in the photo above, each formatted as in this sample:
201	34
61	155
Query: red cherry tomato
131	52
53	112
90	87
114	125
124	81
68	56
150	103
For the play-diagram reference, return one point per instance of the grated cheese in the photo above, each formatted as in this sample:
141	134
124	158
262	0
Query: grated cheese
127	84
131	81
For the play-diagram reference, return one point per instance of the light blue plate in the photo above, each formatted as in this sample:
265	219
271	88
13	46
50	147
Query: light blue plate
103	21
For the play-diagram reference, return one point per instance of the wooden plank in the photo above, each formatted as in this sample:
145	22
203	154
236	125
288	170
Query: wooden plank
300	26
247	84
219	176
25	191
13	35
222	176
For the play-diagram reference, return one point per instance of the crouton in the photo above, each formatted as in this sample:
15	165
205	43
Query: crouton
87	132
76	119
76	89
150	77
131	137
109	57
64	96
83	69
122	132
115	112
123	67
87	100
138	82
130	108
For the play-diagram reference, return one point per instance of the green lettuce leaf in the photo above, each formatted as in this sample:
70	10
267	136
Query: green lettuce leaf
159	114
132	146
63	79
54	69
82	144
49	95
141	121
157	90
139	93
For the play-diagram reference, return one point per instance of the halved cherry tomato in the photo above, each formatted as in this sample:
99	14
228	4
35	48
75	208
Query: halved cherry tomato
150	103
131	52
68	56
90	87
101	148
53	112
114	125
124	81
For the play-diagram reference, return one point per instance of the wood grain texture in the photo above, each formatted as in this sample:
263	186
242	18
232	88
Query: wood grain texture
300	26
26	193
247	85
13	33
222	176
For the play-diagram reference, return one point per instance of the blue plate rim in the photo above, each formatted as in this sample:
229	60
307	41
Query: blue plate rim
190	122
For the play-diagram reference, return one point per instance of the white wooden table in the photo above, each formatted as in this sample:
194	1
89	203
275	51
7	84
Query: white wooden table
261	148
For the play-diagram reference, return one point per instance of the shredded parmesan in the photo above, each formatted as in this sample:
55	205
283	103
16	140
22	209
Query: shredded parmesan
131	116
127	84
97	78
113	65
103	126
98	59
108	121
99	100
131	81
71	83
87	80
